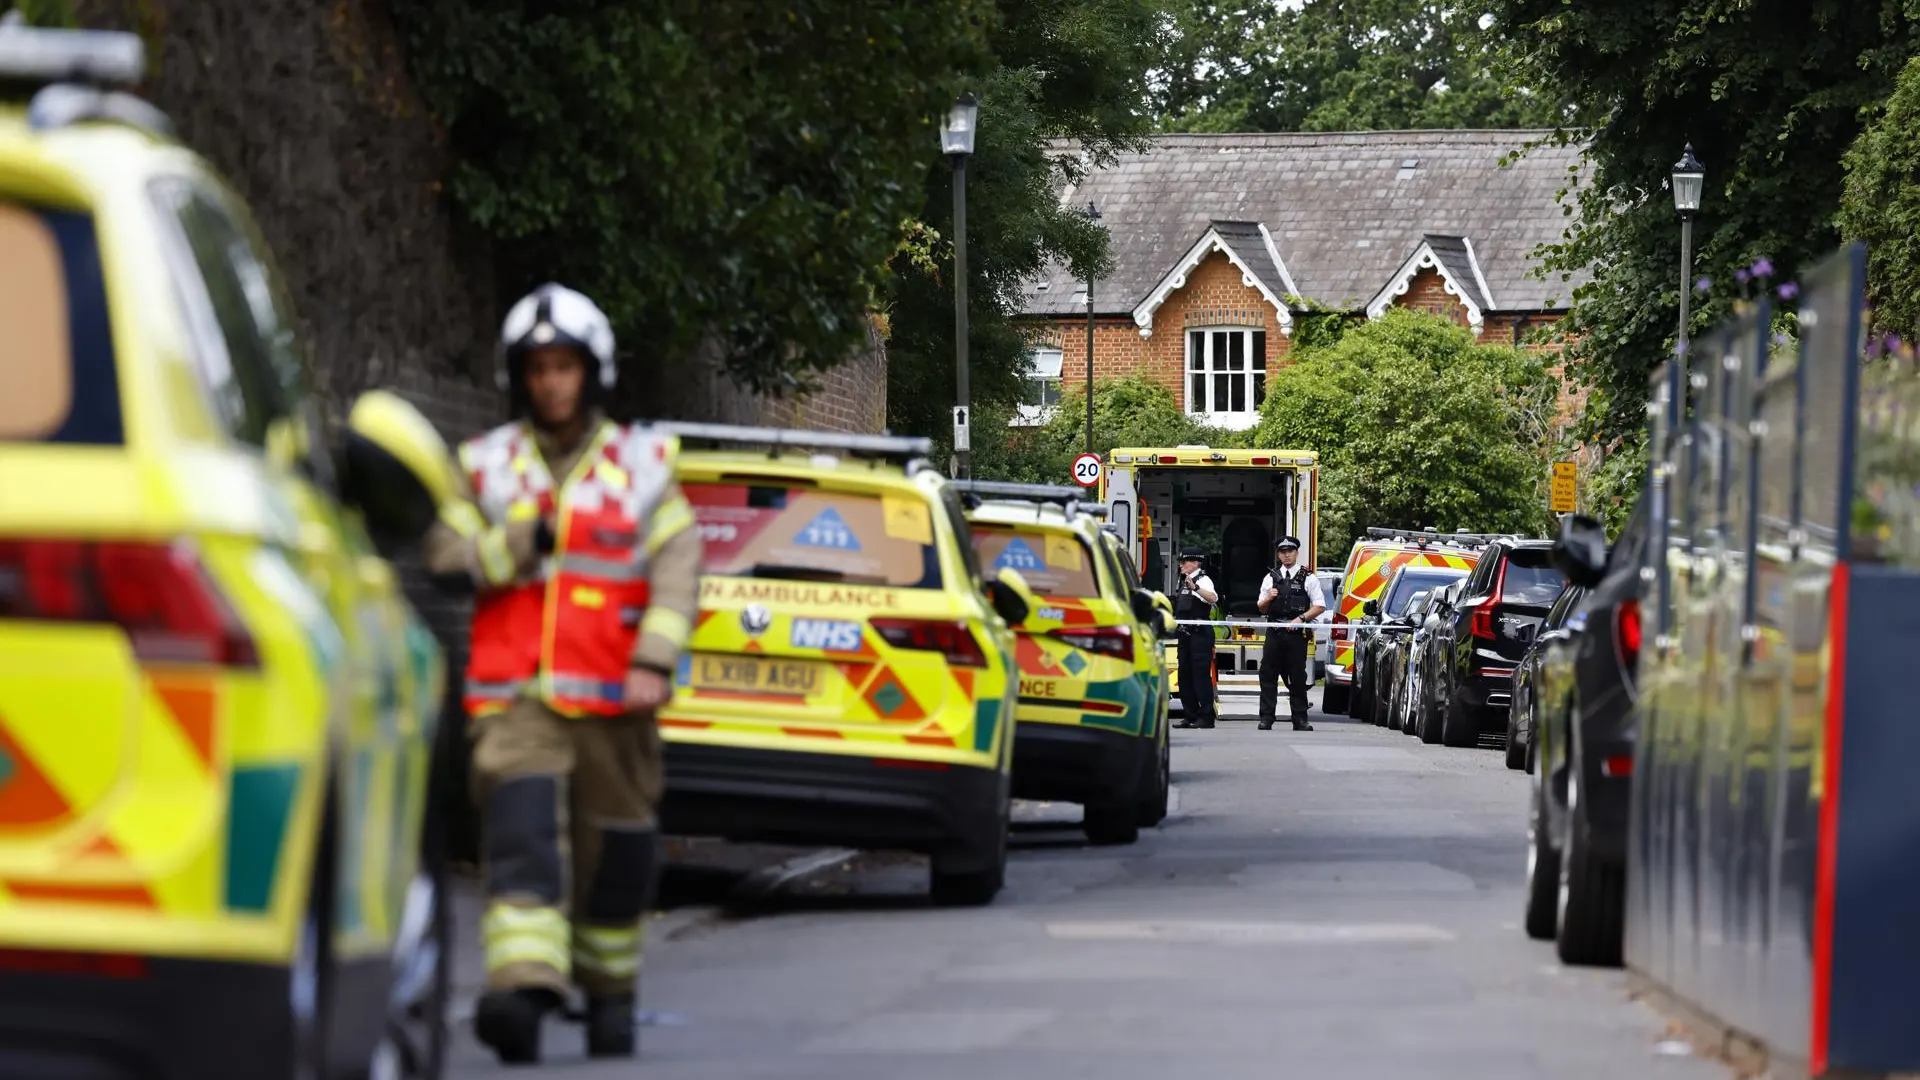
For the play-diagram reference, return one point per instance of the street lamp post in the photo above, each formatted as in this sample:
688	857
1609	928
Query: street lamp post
956	141
1689	177
1093	215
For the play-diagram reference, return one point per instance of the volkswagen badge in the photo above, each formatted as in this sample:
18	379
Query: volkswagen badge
755	619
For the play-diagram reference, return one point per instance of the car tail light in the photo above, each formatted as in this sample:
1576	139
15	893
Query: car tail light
1617	765
952	638
1481	625
1114	641
160	594
1626	628
1338	633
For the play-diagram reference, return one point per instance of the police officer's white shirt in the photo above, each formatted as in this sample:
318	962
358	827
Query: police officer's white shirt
1316	596
1203	583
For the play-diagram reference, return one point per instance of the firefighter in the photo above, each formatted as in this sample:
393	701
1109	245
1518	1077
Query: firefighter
1289	593
1193	598
582	554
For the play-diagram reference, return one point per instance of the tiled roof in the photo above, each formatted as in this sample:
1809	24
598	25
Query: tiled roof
1344	211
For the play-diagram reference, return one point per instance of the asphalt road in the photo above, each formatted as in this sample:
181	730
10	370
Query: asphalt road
1342	903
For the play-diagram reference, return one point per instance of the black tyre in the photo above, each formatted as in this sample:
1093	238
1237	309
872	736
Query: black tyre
1543	868
1516	746
1458	727
310	974
1112	823
1153	809
969	884
1333	701
1592	892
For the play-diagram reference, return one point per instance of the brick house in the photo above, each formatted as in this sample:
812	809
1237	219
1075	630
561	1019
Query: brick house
1221	241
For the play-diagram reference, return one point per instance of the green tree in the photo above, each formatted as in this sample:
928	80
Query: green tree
1769	92
1061	69
1417	424
1338	65
709	170
1881	205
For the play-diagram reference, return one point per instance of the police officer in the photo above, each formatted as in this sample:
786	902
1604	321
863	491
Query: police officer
1289	593
582	554
1193	598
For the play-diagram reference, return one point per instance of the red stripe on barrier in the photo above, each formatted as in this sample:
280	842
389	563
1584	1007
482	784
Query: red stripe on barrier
1827	859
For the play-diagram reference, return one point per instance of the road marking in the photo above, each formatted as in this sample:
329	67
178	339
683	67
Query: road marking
768	880
1248	933
1338	758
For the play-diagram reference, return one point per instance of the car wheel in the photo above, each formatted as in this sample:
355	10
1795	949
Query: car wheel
1457	726
970	885
1333	701
1111	823
1154	810
1591	901
1543	868
1516	746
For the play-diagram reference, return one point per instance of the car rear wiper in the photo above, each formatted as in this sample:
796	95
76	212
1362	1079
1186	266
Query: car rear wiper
787	572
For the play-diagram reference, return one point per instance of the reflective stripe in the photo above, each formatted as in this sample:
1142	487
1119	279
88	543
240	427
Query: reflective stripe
586	687
518	935
667	624
523	511
669	519
595	567
494	691
608	950
463	518
496	561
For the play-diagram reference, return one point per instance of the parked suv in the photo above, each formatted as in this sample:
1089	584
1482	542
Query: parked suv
1507	595
1582	757
1381	623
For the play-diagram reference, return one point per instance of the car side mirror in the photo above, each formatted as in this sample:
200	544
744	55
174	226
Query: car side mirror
1580	551
1011	597
1143	607
395	468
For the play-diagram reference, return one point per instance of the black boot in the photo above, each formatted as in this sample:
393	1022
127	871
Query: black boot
1266	723
1302	725
509	1022
610	1026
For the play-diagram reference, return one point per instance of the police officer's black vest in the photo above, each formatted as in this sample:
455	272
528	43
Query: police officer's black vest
1188	604
1293	600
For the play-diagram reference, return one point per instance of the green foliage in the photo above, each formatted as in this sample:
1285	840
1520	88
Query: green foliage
1062	69
1417	424
1134	411
706	169
1882	205
1770	94
48	12
1338	65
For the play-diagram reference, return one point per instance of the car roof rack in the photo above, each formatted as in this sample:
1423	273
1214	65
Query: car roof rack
1426	536
76	76
1071	500
900	449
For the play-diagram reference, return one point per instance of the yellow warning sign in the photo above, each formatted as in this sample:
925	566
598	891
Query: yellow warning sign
1565	491
907	519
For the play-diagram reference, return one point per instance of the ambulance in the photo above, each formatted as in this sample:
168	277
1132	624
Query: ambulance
1233	503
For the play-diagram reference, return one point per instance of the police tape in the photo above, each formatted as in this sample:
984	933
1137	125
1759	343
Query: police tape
1351	628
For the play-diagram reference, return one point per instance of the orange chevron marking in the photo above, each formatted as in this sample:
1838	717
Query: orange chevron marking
930	740
963	676
813	732
193	703
27	797
71	893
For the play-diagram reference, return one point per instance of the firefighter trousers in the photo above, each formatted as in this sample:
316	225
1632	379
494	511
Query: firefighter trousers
571	845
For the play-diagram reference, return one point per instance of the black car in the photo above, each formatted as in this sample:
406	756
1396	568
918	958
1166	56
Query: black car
1507	594
1529	688
1583	749
1387	610
1423	711
1394	662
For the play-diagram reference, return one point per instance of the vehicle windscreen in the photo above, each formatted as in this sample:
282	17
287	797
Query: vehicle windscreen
1530	579
775	528
1054	563
1416	581
57	378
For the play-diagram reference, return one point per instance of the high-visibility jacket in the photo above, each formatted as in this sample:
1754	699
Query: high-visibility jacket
565	632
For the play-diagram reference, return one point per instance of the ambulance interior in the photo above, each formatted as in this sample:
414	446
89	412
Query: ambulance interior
1236	514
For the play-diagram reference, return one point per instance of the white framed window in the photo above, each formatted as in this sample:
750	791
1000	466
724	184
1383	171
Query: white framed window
1042	392
1226	375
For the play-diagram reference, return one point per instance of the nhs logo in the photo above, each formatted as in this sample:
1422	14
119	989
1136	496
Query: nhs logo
833	635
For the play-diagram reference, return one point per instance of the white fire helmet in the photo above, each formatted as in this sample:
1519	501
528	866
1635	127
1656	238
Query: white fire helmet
555	315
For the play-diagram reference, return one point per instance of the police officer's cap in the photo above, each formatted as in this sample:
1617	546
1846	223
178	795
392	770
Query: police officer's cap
1286	543
1192	553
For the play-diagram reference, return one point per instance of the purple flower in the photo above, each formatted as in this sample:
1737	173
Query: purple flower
1762	267
1741	276
1874	345
1680	347
1789	290
1703	285
1894	344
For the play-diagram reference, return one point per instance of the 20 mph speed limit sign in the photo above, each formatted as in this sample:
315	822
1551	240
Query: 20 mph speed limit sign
1086	470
